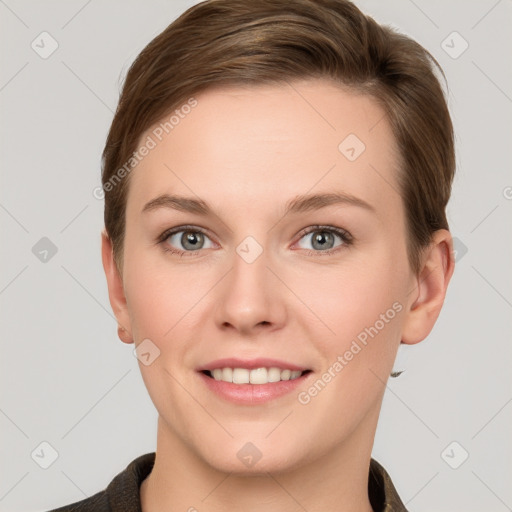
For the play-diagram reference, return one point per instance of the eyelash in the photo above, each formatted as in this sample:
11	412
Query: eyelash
345	236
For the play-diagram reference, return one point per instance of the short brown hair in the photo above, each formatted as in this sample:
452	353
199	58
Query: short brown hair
237	42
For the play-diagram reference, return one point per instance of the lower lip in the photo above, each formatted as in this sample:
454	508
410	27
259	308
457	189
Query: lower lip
252	394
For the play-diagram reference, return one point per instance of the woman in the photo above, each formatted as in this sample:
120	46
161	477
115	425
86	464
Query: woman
275	178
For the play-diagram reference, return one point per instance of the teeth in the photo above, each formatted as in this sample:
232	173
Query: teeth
255	376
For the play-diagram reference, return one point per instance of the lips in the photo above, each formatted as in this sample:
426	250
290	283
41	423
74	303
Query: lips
232	379
250	364
253	394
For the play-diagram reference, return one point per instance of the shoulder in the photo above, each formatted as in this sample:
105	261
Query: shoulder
96	503
381	491
122	493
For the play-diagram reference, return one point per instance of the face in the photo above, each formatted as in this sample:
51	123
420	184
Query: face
321	284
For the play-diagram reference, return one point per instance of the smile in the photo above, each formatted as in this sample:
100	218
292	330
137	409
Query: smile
254	376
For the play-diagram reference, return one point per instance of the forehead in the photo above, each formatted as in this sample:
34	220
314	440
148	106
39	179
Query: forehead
268	143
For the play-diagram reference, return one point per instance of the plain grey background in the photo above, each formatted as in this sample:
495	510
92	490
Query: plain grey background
68	382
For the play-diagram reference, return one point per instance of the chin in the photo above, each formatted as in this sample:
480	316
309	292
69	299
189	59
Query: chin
250	458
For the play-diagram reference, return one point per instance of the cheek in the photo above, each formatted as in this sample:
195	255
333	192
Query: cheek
163	297
358	331
342	301
149	296
354	316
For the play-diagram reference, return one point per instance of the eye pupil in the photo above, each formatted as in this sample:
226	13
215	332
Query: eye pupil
192	237
321	237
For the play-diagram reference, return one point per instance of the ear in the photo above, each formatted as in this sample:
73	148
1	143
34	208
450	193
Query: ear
427	296
115	290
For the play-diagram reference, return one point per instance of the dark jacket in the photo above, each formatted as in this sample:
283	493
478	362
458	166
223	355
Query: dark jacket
122	494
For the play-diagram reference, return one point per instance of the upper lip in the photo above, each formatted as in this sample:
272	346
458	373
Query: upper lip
260	362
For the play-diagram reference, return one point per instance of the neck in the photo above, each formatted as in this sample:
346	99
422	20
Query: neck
334	481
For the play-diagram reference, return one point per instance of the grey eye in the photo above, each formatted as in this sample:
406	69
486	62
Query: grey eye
189	239
322	239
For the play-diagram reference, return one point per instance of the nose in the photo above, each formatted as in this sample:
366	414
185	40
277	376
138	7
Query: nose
251	297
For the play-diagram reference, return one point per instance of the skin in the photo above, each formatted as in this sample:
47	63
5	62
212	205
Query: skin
247	151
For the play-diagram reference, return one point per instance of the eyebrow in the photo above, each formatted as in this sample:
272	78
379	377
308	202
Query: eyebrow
299	204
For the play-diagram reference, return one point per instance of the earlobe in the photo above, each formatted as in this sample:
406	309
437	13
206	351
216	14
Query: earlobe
428	296
115	290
